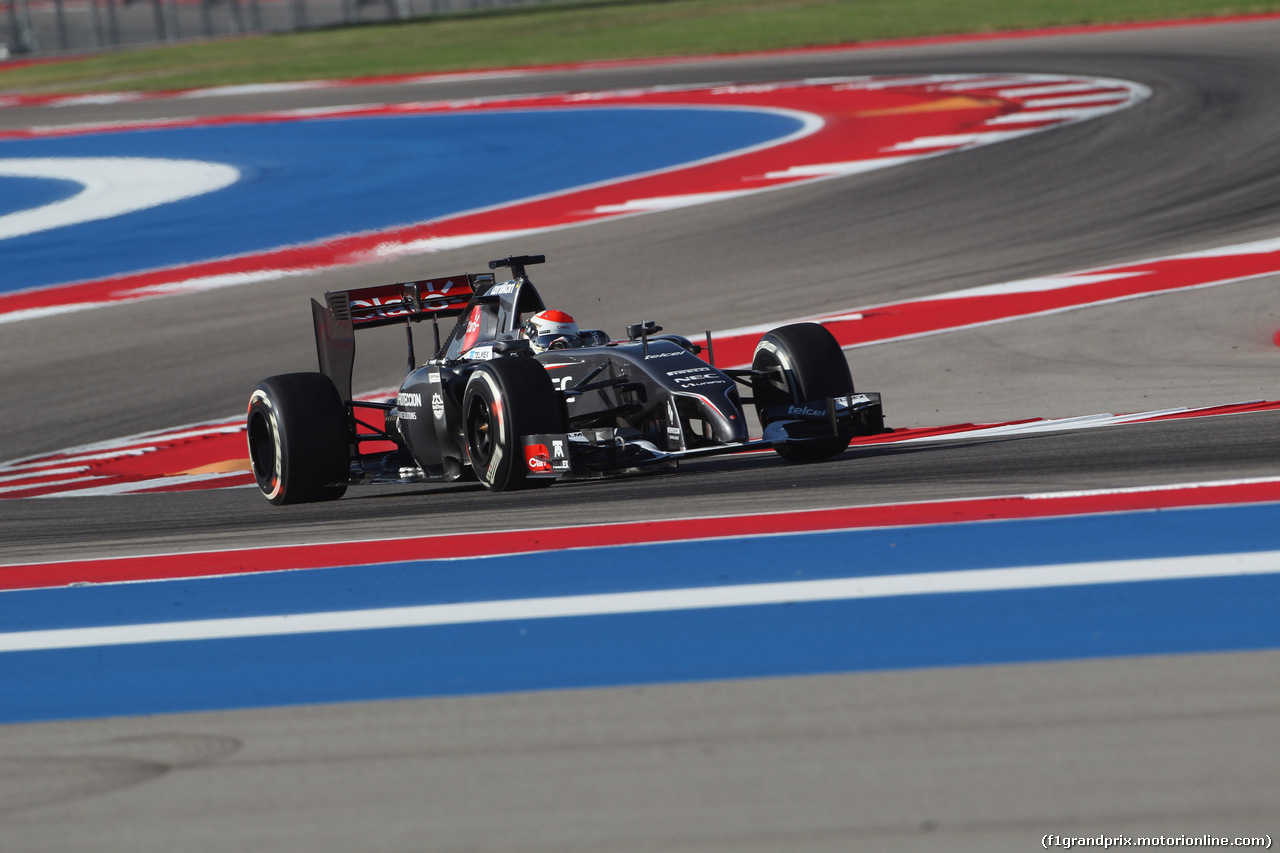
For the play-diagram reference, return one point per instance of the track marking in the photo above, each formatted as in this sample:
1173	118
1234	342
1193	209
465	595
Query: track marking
496	543
654	601
846	131
214	454
110	187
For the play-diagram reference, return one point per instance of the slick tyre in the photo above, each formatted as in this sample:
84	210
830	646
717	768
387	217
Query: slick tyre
801	362
298	439
505	399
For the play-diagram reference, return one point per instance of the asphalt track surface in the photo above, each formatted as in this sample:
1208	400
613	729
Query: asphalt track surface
986	758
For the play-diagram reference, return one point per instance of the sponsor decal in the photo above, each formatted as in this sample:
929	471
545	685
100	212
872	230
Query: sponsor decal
704	378
688	370
806	412
377	308
663	354
409	400
537	457
557	449
494	461
473	329
480	354
437	406
505	289
435	295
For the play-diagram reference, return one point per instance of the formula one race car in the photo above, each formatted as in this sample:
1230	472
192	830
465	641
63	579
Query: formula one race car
517	397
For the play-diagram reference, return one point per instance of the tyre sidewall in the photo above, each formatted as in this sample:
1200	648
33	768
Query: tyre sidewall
526	402
299	441
815	368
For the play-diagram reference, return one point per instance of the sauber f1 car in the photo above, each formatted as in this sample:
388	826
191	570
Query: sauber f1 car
515	396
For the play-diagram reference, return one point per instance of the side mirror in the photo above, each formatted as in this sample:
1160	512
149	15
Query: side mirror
518	346
642	329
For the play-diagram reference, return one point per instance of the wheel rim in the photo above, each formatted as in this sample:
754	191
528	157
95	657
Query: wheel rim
262	450
480	432
774	388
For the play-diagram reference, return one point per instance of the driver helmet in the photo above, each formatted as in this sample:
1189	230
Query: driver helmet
551	329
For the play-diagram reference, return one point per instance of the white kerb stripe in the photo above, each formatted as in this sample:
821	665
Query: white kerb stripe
654	601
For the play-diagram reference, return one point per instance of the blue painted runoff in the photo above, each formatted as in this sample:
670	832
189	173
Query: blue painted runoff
955	629
19	194
305	181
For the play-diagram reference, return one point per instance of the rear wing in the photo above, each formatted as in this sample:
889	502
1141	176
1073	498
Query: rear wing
384	305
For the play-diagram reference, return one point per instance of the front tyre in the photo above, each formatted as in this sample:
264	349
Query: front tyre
299	441
801	363
506	399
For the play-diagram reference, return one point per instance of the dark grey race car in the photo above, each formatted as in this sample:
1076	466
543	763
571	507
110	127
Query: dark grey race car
490	406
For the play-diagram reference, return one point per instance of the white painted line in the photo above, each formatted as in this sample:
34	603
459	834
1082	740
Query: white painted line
22	315
1065	114
255	89
1059	424
956	140
653	601
669	202
38	468
1146	490
43	472
1032	90
987	82
105	98
1261	247
1110	98
110	187
1034	285
213	282
851	167
134	486
48	485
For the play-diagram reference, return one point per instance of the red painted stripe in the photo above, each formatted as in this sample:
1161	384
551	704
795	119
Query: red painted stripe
488	543
915	318
858	123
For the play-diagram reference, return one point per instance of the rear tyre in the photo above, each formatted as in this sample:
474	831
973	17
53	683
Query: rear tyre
299	442
801	363
505	399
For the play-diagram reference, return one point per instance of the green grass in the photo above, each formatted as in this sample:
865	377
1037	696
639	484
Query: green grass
575	32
